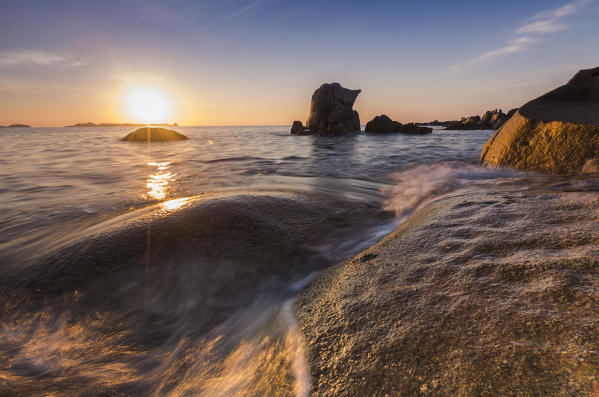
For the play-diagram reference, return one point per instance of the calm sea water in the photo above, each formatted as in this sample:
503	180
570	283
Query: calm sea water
54	180
170	269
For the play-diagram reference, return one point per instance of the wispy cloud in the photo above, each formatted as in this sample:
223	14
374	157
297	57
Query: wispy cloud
37	57
542	27
245	9
549	21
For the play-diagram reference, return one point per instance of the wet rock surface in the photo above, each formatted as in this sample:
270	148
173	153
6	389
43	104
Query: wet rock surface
478	294
154	134
557	132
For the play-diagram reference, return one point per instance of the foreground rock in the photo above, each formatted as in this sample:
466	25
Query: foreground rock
557	132
481	294
154	134
383	124
491	120
331	111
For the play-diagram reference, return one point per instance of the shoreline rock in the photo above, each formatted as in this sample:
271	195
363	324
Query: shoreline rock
479	294
154	134
557	132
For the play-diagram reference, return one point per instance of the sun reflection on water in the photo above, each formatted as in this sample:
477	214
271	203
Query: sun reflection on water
158	182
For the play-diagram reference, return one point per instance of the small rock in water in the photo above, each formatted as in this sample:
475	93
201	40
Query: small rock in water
384	124
154	134
298	129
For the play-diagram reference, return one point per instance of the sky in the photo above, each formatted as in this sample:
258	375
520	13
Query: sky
257	62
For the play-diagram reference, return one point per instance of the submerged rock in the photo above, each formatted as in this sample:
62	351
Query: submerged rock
383	124
154	134
557	132
331	110
480	294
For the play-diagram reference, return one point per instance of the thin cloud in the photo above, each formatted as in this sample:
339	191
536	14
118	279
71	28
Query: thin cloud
542	27
565	10
516	45
245	9
542	23
37	57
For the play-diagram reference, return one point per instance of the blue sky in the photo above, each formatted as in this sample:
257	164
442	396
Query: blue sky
257	62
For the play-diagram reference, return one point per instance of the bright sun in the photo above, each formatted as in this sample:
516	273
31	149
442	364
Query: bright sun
147	105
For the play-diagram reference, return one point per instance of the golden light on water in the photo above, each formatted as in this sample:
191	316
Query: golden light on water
158	181
147	105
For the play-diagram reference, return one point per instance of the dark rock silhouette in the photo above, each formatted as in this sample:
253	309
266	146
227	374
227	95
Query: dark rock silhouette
18	126
298	129
491	120
331	110
383	124
154	134
557	132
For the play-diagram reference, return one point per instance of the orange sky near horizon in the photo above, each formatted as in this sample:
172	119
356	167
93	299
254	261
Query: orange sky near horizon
238	62
276	107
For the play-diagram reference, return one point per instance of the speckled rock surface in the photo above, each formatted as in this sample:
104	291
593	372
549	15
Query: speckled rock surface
475	295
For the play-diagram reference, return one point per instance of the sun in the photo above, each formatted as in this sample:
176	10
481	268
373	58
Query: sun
147	105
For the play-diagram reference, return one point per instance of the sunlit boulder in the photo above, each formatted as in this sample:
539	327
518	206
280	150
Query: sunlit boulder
557	132
154	134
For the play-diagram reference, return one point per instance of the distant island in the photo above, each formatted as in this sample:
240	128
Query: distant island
16	126
90	124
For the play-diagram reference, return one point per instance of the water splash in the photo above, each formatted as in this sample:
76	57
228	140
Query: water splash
418	186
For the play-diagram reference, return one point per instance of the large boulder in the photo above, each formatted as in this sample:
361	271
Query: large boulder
154	134
383	124
557	132
331	110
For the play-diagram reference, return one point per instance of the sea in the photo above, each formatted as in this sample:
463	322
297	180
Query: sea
171	269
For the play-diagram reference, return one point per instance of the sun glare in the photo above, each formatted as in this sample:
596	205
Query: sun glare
147	105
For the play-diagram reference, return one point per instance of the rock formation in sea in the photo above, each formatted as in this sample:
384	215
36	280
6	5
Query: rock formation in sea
298	129
491	120
557	132
384	124
154	134
331	111
481	294
17	126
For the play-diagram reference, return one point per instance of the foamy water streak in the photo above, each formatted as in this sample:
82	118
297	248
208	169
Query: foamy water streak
414	188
